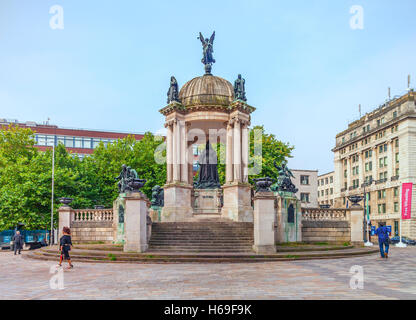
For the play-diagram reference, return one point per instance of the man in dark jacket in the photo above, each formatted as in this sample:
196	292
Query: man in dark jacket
18	242
383	240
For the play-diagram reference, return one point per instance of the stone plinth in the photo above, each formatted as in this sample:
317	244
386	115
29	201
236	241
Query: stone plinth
237	202
135	219
207	201
289	218
119	209
155	213
64	219
264	223
357	225
177	206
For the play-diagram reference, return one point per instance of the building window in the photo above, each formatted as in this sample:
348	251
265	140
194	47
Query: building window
383	175
304	180
382	208
78	142
345	173
397	172
397	143
381	194
397	157
396	191
331	190
394	114
304	197
69	142
331	179
396	207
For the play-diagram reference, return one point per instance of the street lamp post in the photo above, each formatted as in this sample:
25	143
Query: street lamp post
367	242
53	189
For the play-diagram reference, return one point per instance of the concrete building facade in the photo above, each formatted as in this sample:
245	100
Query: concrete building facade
81	142
326	189
378	153
307	183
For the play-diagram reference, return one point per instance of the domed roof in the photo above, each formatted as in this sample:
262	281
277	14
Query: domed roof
207	90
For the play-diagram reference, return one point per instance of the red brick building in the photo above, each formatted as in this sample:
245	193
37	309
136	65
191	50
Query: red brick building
79	141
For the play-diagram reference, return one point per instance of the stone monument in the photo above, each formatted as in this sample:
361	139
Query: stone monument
207	109
131	212
289	215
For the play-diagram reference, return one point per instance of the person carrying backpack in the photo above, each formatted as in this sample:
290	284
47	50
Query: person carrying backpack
383	240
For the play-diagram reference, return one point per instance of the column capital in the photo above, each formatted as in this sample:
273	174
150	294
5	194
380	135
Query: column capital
169	123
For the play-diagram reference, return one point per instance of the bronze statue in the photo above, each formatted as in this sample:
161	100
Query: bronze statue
129	180
208	171
173	92
239	89
157	196
284	182
208	49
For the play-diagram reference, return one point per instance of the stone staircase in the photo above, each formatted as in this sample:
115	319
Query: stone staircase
202	236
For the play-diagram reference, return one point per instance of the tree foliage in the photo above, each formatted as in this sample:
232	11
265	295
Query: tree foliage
26	173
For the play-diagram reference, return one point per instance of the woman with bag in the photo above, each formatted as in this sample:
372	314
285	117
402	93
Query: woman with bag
65	244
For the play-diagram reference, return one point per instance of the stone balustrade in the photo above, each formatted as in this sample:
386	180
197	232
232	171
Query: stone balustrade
318	214
92	215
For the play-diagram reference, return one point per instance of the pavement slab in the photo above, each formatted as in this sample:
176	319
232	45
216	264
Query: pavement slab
394	278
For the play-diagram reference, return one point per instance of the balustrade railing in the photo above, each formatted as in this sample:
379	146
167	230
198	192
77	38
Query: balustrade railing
317	214
92	215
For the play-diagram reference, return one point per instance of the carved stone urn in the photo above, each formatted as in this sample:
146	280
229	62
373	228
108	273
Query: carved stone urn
263	184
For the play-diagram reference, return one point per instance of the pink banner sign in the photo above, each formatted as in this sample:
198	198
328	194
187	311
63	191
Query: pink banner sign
406	200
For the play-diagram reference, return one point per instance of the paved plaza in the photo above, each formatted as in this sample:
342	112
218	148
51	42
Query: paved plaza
395	278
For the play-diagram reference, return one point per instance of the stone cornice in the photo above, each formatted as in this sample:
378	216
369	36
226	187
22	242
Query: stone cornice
172	107
235	105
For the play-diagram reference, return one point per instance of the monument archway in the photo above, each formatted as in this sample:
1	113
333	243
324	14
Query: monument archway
207	108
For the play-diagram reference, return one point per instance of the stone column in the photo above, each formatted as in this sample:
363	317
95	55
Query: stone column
264	223
357	225
237	151
65	219
175	151
135	223
190	159
184	153
229	154
245	151
169	153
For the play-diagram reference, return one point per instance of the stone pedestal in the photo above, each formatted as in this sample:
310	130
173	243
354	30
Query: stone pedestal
357	225
155	213
289	218
64	219
264	223
119	209
135	217
177	206
237	202
207	201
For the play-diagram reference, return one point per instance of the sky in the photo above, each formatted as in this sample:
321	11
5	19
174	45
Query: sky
306	69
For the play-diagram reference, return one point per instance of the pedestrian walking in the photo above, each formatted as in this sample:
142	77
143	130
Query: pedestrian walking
17	242
383	240
65	245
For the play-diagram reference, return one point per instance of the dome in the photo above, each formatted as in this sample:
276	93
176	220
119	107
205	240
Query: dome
207	90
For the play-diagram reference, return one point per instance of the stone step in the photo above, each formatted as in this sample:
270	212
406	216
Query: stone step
199	242
184	246
195	238
177	249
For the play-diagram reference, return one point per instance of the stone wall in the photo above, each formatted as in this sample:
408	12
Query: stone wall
88	225
326	231
87	232
326	225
